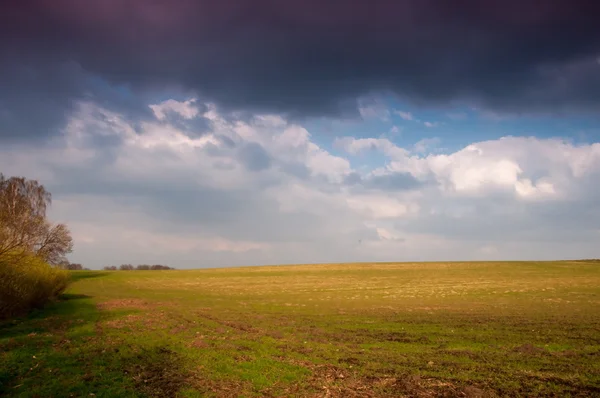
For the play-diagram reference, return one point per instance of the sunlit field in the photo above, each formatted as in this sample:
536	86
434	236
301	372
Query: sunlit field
344	330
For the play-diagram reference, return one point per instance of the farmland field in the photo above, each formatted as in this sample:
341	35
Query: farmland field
343	330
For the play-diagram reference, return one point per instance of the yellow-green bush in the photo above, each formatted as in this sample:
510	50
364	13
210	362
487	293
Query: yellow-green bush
27	282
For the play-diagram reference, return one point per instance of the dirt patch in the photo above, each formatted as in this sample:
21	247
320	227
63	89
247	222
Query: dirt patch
145	321
415	386
529	349
566	354
332	381
474	392
239	326
125	303
242	358
199	343
220	388
350	361
336	384
158	373
302	350
365	336
231	324
275	334
179	328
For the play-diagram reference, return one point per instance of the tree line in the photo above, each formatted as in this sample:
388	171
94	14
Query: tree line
73	266
141	267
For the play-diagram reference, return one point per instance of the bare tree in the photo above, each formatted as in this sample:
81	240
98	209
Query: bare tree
55	242
75	267
23	225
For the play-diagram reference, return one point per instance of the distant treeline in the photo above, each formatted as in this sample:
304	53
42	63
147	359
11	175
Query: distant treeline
123	267
141	267
72	266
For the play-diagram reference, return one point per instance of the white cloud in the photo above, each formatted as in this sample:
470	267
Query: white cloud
154	136
404	115
263	191
550	167
526	189
380	207
185	109
355	146
385	234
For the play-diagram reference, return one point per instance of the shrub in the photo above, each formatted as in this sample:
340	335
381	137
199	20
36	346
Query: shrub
27	281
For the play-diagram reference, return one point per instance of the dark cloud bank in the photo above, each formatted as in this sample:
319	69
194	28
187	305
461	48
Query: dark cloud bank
300	58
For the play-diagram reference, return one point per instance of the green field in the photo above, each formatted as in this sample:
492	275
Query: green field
345	330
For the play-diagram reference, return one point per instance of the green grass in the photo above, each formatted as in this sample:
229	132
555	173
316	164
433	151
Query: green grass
427	329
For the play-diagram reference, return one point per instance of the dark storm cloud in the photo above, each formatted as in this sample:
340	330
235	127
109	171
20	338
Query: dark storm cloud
34	101
36	96
301	58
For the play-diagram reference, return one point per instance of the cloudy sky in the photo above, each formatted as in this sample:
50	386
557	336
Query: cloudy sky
243	132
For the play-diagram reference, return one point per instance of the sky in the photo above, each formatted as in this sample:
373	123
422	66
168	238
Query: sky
246	132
